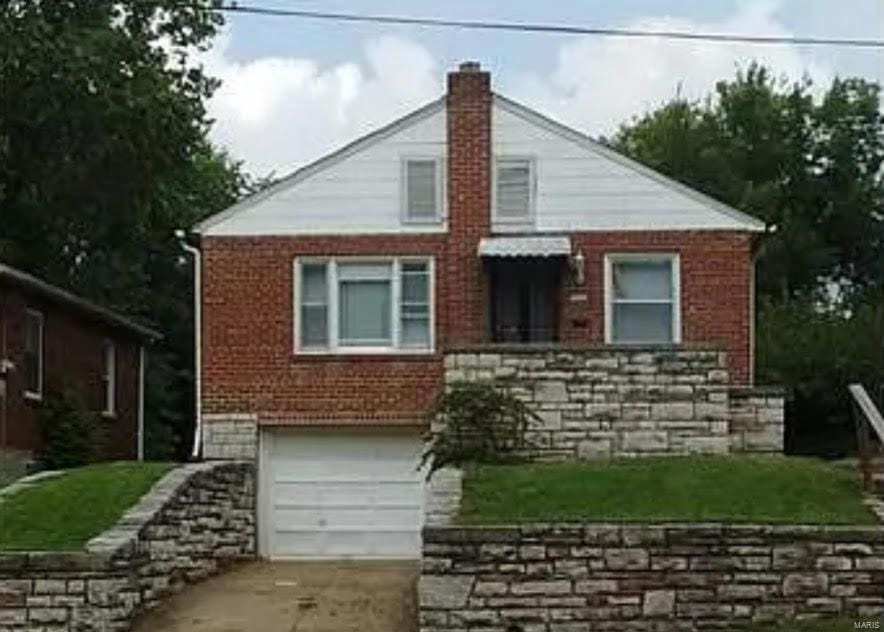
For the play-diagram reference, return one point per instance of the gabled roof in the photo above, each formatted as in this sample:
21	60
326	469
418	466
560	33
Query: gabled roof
325	162
747	221
752	223
63	297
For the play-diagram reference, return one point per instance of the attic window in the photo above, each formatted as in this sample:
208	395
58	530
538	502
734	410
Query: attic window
514	189
422	198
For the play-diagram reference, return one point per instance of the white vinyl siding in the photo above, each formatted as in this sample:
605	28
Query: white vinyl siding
513	189
577	185
359	194
422	191
642	299
109	377
33	356
580	188
364	305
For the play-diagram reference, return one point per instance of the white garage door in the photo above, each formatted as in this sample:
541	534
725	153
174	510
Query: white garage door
340	494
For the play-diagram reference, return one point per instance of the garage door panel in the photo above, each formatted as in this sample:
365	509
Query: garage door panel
344	518
367	493
336	494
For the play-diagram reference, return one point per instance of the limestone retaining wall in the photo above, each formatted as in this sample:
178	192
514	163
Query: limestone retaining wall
629	401
194	520
570	577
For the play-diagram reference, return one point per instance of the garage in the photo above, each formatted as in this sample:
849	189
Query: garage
340	494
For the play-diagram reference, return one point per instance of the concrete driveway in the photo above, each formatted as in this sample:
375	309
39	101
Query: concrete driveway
295	597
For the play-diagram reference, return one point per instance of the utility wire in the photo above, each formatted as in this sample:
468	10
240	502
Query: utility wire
546	28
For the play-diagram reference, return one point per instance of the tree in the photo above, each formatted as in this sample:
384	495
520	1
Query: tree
103	154
812	166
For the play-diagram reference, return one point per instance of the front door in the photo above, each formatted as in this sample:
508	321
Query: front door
524	301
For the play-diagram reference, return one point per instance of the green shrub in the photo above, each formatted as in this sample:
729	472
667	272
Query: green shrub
479	422
72	435
815	354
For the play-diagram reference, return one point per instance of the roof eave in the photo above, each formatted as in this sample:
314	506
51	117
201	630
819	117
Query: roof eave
51	292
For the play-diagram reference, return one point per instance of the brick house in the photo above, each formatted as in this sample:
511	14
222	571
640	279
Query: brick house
52	339
473	238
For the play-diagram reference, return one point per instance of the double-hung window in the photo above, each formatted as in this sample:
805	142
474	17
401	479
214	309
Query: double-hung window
642	299
422	190
363	305
514	190
109	378
33	356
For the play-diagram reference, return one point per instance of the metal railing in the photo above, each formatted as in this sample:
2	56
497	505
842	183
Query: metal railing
869	435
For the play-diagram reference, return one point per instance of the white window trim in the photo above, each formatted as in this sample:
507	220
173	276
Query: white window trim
441	187
532	190
38	394
334	348
109	378
675	260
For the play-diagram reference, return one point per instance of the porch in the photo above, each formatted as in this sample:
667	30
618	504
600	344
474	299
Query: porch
605	401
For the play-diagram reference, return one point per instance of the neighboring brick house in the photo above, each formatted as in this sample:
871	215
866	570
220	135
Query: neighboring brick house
337	302
52	339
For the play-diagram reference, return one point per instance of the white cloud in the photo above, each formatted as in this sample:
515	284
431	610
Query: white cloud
599	83
277	113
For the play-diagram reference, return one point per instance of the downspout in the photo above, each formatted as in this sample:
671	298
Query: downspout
758	247
197	341
141	356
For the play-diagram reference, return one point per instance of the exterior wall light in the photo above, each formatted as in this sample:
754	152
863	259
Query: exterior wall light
577	261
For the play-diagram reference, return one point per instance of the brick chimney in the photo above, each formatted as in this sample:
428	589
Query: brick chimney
469	199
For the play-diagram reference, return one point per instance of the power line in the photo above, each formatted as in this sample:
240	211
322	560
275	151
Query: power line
547	28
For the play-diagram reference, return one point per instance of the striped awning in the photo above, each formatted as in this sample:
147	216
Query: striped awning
545	246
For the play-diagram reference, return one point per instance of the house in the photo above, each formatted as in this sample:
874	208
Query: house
52	339
472	238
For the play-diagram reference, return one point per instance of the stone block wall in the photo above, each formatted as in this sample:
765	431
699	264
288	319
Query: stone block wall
230	436
626	401
196	519
756	419
570	577
443	494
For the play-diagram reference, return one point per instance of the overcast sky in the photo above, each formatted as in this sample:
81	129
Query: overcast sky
295	89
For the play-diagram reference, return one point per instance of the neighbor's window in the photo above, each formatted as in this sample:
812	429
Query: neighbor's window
109	377
422	190
33	358
513	189
642	299
363	305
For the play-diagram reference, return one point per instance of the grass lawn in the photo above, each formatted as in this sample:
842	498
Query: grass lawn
63	513
10	470
725	488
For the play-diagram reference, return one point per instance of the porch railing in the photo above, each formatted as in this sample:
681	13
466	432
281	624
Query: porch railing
869	435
